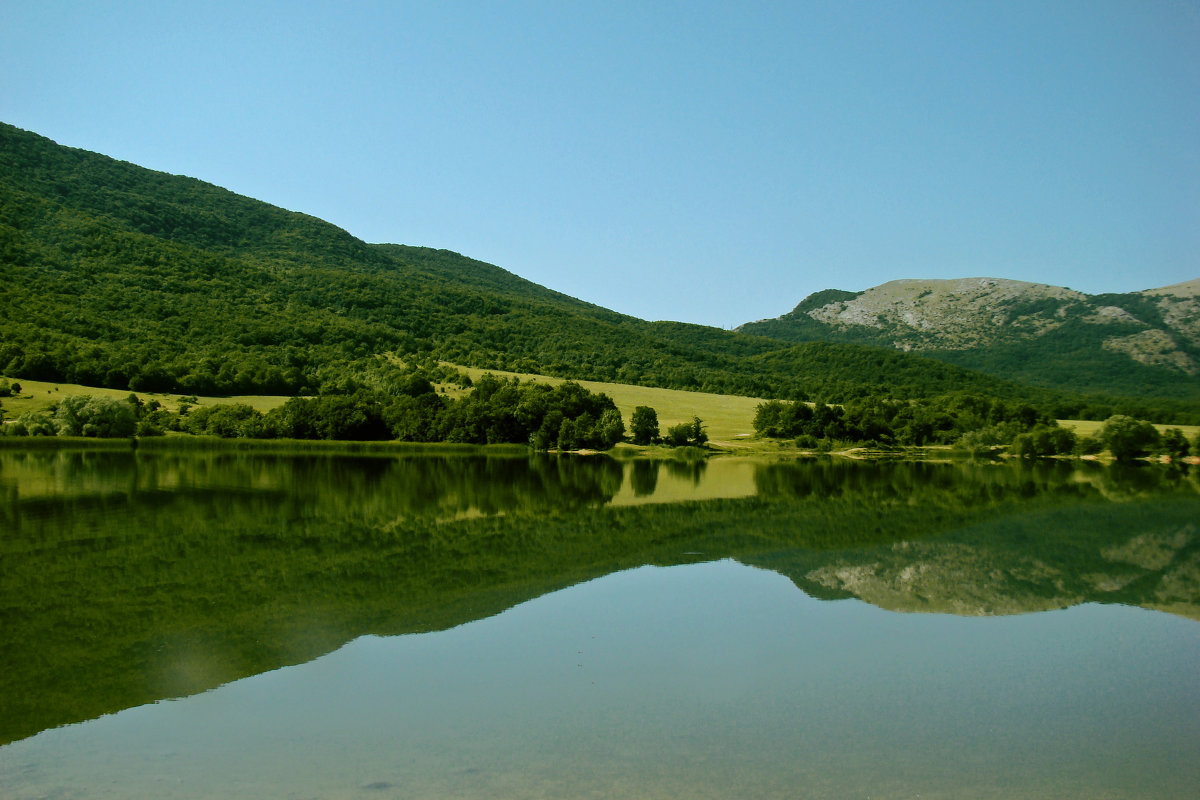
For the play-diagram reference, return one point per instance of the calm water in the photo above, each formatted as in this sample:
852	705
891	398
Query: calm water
231	625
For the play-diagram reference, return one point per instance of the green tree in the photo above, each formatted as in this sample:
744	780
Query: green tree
1175	444
1128	438
610	429
687	433
80	415
1044	440
32	423
643	425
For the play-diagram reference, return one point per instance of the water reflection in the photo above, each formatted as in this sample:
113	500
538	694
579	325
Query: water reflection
129	578
709	681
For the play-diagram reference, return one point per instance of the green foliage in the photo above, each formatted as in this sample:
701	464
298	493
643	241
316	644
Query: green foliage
644	425
32	423
227	421
1175	444
885	421
1044	440
1128	438
686	434
986	441
80	415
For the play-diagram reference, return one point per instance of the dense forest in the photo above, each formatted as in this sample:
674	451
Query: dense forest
117	276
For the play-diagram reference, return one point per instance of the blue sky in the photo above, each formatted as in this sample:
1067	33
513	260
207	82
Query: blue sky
706	162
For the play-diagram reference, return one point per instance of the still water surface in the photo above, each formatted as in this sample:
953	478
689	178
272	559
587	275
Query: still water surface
425	627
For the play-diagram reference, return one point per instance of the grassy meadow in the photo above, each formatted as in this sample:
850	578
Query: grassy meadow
1090	427
40	395
727	418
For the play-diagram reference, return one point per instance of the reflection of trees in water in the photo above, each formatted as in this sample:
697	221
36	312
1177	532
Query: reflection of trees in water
138	559
353	487
686	469
966	485
643	478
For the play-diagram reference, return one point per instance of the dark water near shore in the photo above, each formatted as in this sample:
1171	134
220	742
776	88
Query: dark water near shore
231	624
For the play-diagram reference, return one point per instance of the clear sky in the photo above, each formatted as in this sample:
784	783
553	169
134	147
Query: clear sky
699	161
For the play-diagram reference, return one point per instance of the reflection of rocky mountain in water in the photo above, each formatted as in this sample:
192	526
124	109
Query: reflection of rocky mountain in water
956	578
1138	552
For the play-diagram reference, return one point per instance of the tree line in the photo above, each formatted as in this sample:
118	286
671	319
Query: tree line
494	411
971	422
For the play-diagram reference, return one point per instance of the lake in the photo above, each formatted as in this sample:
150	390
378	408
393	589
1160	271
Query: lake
238	624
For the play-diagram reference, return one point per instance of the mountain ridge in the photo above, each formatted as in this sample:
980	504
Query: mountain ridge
1145	342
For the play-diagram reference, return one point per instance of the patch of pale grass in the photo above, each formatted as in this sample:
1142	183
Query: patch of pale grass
727	418
40	395
1090	427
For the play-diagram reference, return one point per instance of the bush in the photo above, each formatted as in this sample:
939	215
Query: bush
1175	444
687	433
1128	438
32	423
1044	440
79	415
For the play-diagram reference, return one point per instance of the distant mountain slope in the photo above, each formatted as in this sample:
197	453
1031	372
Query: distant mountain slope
1137	344
115	275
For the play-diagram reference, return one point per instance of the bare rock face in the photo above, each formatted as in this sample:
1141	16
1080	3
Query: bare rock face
1158	327
949	314
1153	347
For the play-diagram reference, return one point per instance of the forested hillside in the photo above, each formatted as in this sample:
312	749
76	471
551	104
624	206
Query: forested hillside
1137	344
118	276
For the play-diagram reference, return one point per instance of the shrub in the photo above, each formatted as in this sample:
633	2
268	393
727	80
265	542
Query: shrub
79	415
1128	438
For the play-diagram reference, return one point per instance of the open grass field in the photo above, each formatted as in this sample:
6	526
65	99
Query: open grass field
727	418
40	395
1088	427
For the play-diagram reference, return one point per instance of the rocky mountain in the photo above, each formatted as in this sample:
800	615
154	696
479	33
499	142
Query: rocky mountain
1139	343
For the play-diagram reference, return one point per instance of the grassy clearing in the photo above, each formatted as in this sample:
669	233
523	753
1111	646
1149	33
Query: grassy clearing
1089	427
40	395
728	419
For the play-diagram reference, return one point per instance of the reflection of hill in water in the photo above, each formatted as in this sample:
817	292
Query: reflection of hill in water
129	579
1113	540
1139	554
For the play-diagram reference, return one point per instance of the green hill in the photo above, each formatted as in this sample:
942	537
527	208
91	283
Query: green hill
117	276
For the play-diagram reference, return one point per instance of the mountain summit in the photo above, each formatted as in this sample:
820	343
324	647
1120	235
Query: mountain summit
1136	343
